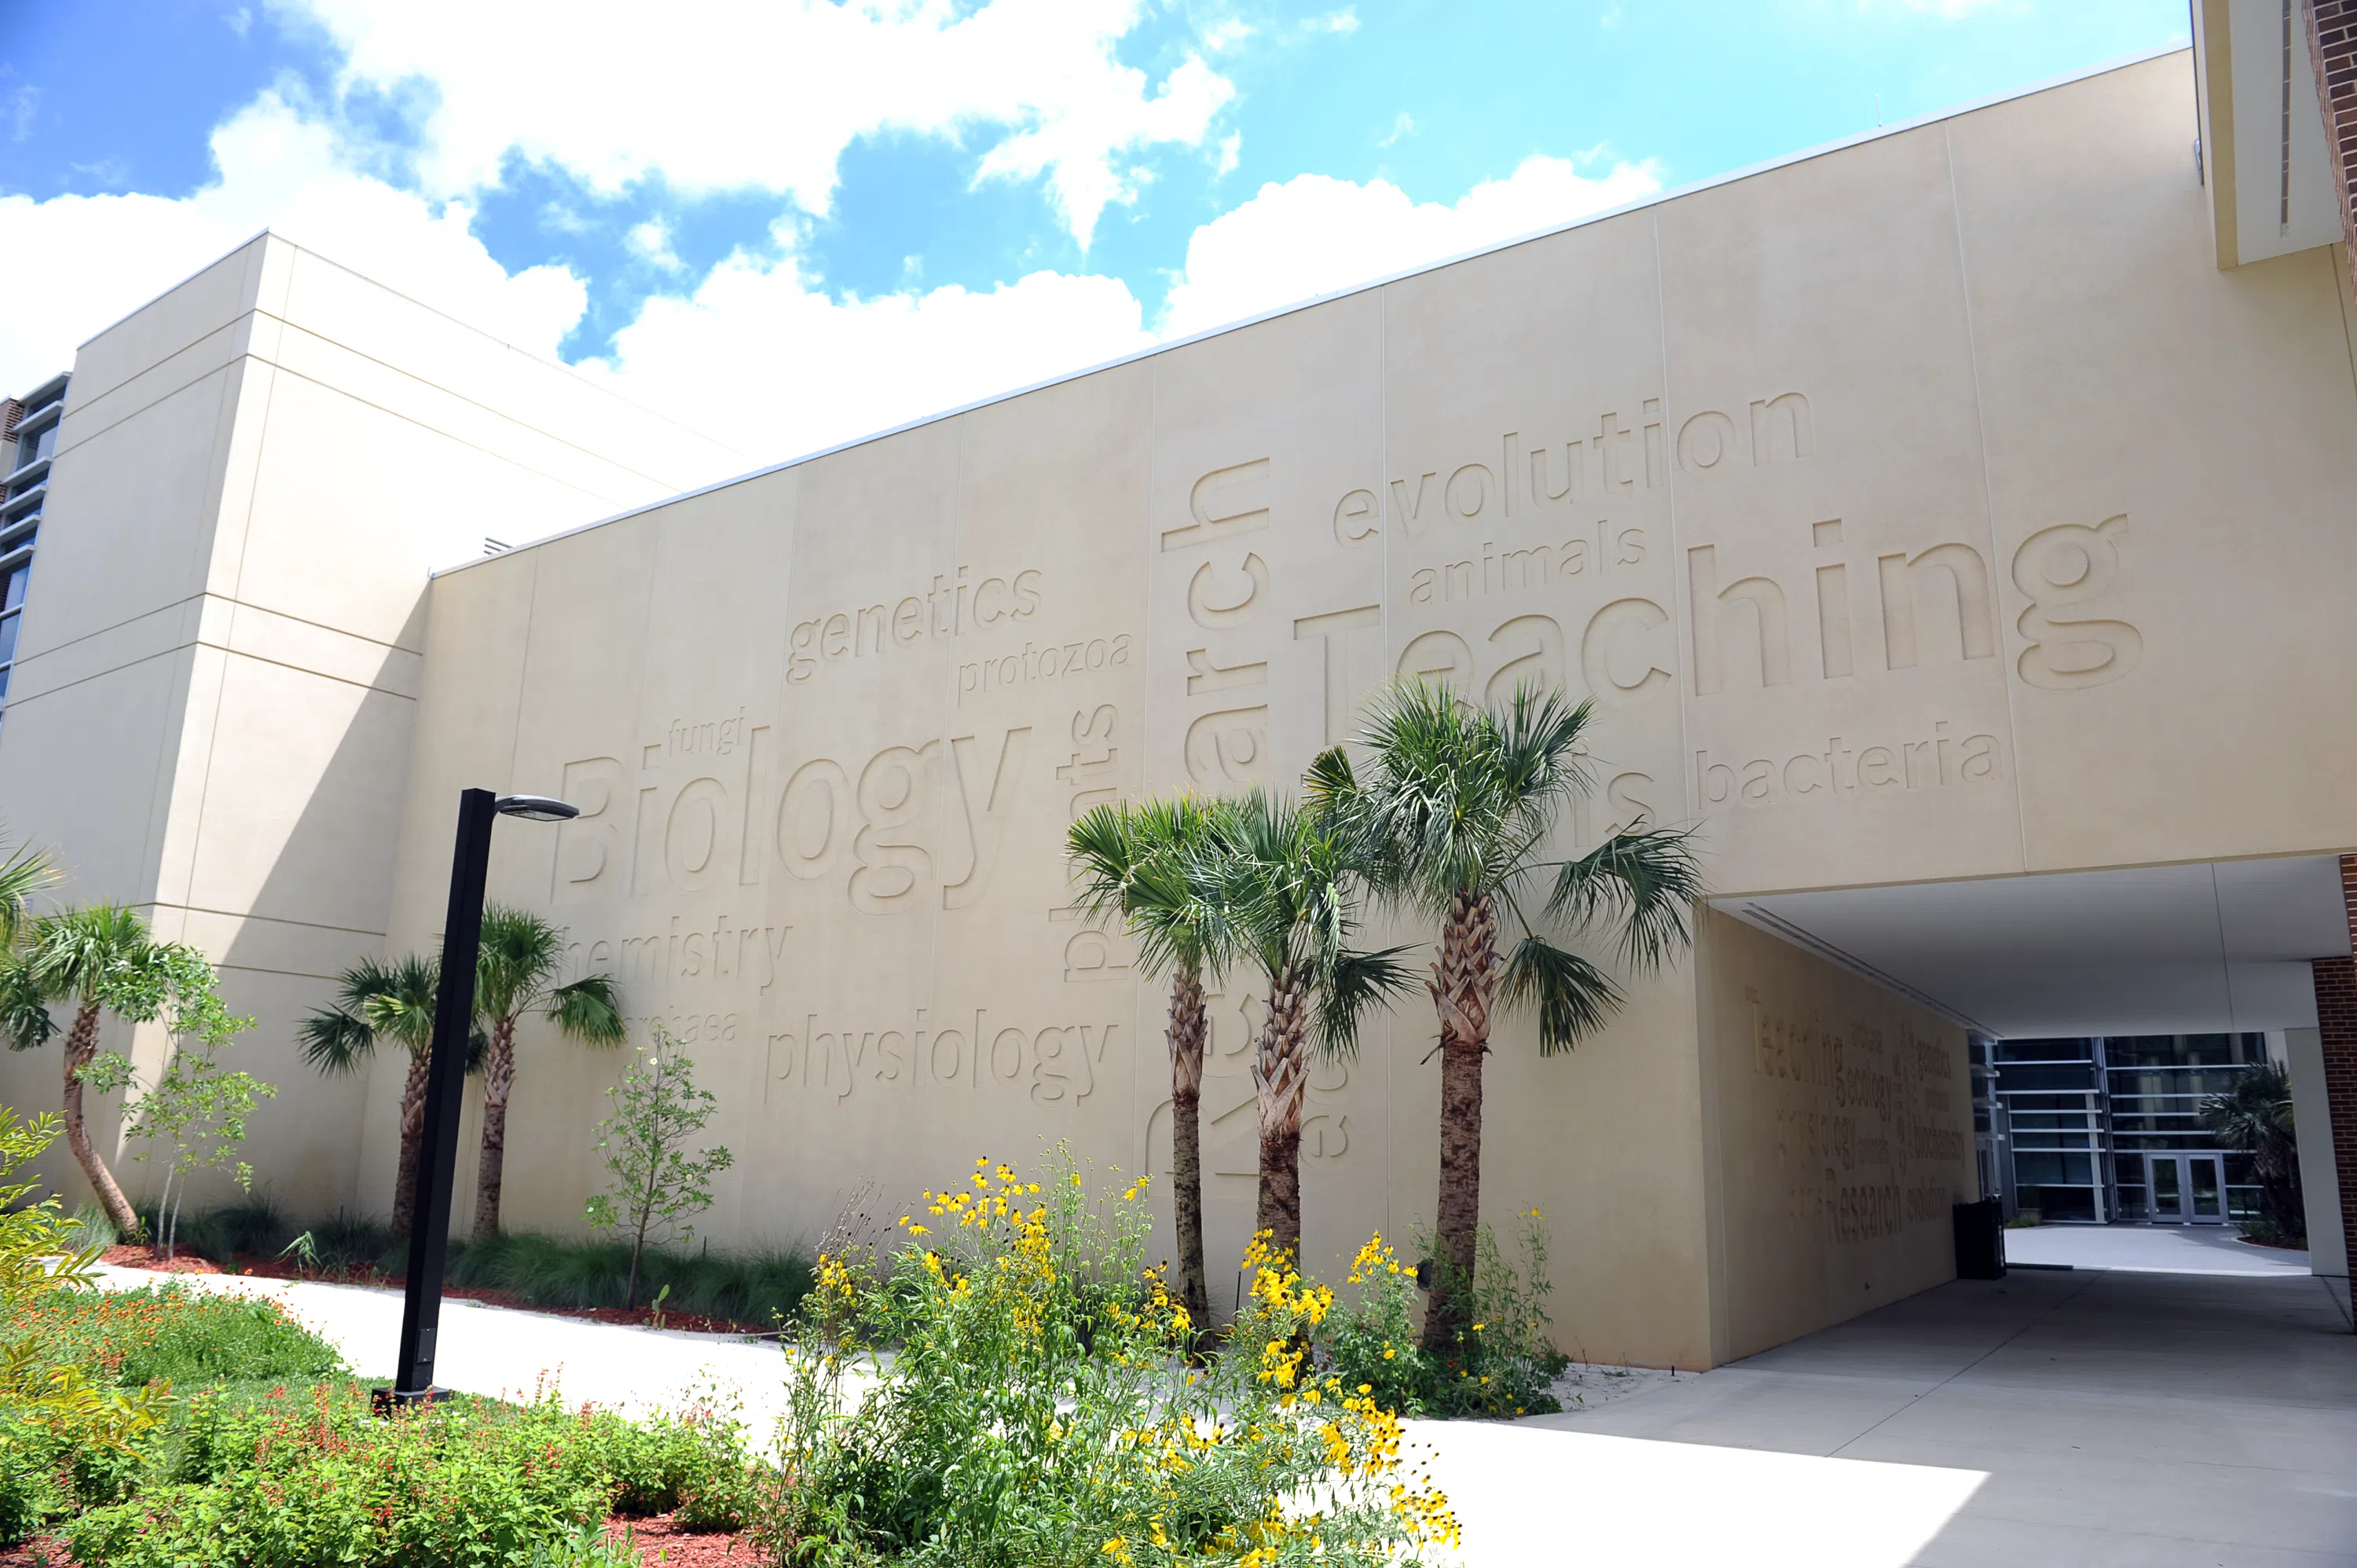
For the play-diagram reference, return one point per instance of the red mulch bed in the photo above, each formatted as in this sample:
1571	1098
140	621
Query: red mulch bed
2278	1246
659	1540
136	1257
44	1552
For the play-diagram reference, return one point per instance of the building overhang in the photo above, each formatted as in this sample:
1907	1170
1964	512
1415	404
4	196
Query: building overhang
2262	152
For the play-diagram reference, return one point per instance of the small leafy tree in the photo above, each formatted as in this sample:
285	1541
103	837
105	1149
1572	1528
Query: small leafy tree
659	1186
100	959
195	1113
195	1110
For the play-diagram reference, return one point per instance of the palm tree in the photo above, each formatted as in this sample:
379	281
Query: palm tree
520	952
1277	881
22	875
100	958
378	1001
2256	1114
1132	861
1451	818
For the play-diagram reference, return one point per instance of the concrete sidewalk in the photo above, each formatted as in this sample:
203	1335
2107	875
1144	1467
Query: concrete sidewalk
2154	1248
2099	1418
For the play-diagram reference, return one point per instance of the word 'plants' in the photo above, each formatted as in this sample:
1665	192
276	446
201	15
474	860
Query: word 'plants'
658	1185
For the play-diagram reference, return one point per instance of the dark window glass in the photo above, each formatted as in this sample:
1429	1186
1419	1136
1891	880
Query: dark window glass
2079	1050
16	580
2060	1202
2061	1075
8	626
2053	1169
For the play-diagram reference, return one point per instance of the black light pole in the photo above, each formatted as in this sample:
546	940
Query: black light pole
445	1078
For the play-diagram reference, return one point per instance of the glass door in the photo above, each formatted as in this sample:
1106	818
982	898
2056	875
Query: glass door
2206	1188
2187	1189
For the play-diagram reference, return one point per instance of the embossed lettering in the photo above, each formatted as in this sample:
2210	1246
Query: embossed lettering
2063	567
1712	607
1224	501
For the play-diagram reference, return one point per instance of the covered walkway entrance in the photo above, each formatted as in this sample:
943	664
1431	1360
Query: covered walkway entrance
2105	1005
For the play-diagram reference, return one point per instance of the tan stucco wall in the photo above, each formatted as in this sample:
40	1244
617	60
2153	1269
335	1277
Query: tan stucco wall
1931	508
1839	1132
210	712
1892	554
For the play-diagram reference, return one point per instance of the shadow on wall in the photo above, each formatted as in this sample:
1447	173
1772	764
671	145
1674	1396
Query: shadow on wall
302	817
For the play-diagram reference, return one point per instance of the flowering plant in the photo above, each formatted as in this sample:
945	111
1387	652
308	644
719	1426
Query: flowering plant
1012	1388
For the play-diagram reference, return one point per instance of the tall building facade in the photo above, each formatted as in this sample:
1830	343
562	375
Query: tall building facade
1944	525
29	444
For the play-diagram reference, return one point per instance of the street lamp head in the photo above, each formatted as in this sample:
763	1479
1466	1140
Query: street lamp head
536	808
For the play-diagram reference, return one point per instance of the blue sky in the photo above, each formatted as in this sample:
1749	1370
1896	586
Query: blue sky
968	193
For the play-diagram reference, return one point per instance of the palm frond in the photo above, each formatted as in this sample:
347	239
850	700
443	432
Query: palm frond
1134	862
22	875
25	1021
1644	882
1573	996
80	953
1354	985
520	953
588	1011
402	1000
1453	798
334	1043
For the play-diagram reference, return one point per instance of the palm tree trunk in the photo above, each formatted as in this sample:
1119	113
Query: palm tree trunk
499	1077
81	1045
1462	986
1281	1080
413	1138
1186	1034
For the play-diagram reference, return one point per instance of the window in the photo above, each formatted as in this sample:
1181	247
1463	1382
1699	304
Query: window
32	449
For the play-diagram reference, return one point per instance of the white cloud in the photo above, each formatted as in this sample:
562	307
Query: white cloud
651	242
78	263
766	95
1315	234
18	110
1345	20
1403	126
1231	153
762	358
1227	35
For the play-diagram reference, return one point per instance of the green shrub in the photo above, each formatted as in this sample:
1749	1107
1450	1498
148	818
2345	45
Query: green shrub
1036	1409
1503	1366
91	1230
756	1288
311	1477
28	1493
172	1333
350	1244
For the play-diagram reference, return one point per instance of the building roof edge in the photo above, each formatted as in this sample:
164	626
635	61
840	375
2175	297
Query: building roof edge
1659	199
